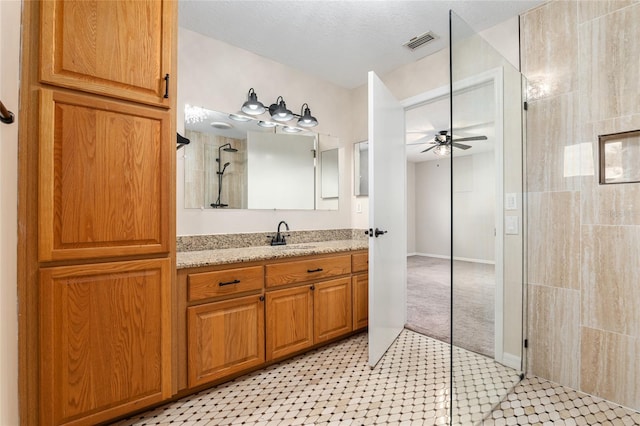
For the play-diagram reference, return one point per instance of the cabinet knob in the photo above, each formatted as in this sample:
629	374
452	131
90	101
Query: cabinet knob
262	298
313	287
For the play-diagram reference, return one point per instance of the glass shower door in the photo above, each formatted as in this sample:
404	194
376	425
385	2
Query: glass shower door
486	225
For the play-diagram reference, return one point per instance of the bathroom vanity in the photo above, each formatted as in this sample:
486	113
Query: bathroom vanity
241	309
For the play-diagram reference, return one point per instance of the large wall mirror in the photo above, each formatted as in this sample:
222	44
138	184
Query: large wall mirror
233	162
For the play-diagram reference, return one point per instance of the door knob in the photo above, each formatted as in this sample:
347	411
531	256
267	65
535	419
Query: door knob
379	232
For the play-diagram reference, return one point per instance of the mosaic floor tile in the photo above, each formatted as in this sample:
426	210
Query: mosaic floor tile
410	386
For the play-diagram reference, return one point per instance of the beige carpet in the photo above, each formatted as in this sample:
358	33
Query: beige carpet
429	302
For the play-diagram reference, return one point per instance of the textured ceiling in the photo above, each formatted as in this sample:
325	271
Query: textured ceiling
339	41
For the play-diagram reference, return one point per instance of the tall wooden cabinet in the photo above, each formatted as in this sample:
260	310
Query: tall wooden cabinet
118	48
99	218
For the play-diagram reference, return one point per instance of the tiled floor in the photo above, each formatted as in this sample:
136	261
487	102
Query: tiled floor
334	385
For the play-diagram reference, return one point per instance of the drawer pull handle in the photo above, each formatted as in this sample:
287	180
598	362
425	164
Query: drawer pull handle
314	270
229	283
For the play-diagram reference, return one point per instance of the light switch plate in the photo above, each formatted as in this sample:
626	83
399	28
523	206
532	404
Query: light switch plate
511	225
511	201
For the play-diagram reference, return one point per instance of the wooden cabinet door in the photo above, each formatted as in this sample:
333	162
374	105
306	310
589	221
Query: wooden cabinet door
225	338
104	178
289	321
118	48
360	287
105	340
332	309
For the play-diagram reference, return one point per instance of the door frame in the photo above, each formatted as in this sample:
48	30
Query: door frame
494	76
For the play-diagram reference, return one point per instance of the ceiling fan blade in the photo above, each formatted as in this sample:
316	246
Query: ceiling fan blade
429	149
461	145
420	141
472	138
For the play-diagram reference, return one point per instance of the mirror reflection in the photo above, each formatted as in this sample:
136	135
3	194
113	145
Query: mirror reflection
329	173
235	162
361	168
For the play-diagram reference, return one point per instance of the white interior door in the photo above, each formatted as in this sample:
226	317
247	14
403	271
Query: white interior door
387	216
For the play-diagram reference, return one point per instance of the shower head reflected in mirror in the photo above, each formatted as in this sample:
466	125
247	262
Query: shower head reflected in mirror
227	148
221	169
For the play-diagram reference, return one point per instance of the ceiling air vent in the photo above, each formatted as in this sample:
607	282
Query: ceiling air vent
420	40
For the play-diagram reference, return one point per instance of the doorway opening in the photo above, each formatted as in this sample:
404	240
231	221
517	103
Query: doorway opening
474	150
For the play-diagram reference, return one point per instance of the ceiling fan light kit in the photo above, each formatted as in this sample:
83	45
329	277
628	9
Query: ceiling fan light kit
443	143
442	150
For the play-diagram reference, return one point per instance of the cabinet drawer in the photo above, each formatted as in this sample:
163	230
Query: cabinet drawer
306	270
220	283
360	262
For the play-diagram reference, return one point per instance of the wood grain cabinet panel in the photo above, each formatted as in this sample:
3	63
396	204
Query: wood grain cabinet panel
307	270
289	321
360	262
105	340
225	338
204	285
104	178
360	289
332	309
119	48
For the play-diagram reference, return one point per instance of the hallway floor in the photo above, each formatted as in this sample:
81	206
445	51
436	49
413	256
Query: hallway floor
334	385
429	301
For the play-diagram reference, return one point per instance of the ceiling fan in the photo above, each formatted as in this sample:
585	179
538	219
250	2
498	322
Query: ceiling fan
443	142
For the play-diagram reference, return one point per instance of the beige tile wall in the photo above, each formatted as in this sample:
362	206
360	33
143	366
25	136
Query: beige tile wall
200	167
581	58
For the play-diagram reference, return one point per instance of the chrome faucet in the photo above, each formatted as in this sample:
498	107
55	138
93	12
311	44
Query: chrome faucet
279	239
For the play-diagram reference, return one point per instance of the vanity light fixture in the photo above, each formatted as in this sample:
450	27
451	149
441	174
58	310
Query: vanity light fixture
289	129
195	114
238	117
306	119
252	106
266	124
278	111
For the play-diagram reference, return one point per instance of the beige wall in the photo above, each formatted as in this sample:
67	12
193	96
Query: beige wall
581	58
9	68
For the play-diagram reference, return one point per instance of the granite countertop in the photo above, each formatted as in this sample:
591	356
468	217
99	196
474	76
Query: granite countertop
192	259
